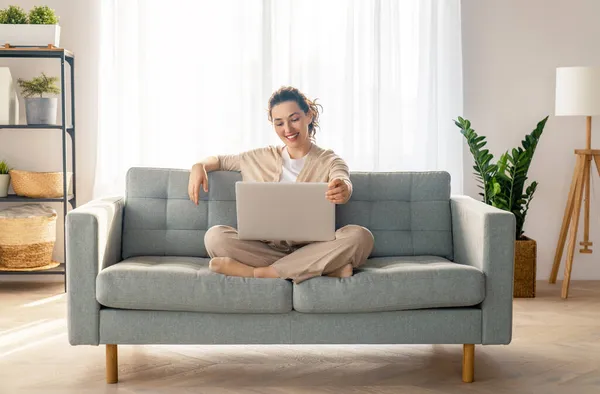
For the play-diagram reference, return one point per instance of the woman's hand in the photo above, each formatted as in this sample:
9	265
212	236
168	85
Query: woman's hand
198	177
338	192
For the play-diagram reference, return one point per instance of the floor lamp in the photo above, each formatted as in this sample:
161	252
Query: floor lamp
577	94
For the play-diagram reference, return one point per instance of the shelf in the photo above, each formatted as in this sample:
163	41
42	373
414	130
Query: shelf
15	198
69	130
27	126
60	270
39	52
66	58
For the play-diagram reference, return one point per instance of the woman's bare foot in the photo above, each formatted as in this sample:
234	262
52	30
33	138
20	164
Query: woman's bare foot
231	267
344	272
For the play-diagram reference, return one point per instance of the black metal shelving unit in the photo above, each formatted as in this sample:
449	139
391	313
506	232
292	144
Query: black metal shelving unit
67	128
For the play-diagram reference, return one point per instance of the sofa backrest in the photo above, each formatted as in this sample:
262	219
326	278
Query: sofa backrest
408	213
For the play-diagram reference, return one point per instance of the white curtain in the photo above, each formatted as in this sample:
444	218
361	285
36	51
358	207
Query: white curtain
182	80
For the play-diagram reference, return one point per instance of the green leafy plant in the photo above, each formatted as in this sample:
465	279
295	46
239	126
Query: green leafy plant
4	168
42	15
503	183
13	15
39	86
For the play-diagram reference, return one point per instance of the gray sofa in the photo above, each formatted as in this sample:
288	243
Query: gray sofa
440	272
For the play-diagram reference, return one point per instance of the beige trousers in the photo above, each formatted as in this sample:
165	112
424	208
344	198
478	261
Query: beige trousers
353	244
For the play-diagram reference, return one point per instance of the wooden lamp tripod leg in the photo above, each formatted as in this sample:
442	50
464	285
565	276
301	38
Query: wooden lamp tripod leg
574	226
597	161
562	238
586	215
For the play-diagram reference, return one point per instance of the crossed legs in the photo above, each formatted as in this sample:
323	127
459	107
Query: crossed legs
338	258
231	267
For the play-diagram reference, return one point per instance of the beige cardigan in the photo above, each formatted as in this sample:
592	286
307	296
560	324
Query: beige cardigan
265	165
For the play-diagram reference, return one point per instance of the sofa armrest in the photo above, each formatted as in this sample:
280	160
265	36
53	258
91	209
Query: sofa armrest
93	238
484	237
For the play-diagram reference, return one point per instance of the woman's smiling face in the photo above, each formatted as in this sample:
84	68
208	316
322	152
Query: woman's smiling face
291	124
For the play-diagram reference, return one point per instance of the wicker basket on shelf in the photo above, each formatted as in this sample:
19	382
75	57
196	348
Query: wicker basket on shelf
39	184
27	238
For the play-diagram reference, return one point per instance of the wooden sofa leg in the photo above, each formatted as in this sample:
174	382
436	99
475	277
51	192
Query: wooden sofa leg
468	365
112	372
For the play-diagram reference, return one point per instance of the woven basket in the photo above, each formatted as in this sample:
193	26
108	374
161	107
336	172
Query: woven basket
39	184
27	237
525	268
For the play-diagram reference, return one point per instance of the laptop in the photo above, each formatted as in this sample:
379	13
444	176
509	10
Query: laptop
284	211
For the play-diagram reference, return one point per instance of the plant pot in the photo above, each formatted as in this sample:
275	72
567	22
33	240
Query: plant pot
525	268
41	110
4	182
30	35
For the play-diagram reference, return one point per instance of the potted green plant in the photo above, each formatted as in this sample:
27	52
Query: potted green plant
503	186
13	15
4	178
40	110
38	28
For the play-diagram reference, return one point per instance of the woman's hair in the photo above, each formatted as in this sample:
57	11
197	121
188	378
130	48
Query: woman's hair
310	107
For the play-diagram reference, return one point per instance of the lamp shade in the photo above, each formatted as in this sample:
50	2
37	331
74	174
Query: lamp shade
577	91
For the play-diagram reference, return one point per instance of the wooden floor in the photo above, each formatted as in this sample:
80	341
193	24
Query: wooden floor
555	349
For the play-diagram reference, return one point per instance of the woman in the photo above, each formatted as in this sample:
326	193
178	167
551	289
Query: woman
295	119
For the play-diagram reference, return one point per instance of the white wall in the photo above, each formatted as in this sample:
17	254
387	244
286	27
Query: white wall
511	50
40	150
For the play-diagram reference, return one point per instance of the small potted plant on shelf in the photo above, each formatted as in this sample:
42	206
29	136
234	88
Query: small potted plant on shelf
38	28
40	110
13	15
4	178
503	186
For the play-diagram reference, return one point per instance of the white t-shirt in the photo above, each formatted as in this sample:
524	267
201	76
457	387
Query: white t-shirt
291	167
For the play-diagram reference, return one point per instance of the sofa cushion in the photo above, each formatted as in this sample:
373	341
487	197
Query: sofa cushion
393	284
160	220
186	284
407	212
